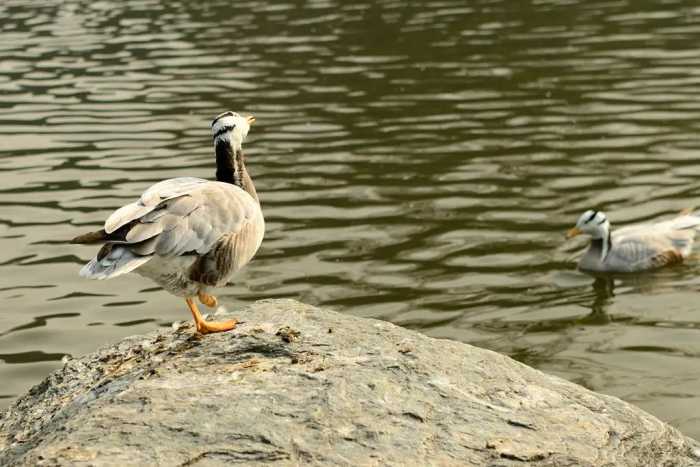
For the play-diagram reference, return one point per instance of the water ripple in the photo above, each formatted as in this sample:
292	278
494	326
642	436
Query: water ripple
416	163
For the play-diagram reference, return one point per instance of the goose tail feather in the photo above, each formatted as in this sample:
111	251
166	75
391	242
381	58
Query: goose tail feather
111	261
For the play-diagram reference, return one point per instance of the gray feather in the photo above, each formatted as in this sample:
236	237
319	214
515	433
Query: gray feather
183	206
170	188
124	215
141	232
147	247
119	261
150	199
217	225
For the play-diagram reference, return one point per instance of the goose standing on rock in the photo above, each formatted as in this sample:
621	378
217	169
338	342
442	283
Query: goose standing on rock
637	247
188	234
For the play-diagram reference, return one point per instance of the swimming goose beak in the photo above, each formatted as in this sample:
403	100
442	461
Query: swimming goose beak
250	119
571	233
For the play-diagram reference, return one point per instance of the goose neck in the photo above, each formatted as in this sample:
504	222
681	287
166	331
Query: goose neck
230	167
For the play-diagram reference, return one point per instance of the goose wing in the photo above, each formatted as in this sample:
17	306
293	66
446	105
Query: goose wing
216	221
639	253
194	223
651	246
150	199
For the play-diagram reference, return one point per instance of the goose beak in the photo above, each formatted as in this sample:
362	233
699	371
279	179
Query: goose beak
571	233
250	119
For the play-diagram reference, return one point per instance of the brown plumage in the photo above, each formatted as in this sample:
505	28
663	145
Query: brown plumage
99	236
667	258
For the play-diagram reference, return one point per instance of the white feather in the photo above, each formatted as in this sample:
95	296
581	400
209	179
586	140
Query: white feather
237	125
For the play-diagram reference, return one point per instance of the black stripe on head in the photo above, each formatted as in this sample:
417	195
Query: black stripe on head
590	218
602	221
225	114
224	129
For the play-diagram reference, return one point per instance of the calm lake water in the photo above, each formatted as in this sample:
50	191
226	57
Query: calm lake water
417	164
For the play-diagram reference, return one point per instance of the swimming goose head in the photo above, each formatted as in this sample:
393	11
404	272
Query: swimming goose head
231	127
593	223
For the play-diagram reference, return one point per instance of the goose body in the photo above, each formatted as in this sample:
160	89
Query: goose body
635	248
187	234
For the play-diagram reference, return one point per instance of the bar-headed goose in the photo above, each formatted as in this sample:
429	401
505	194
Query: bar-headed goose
188	234
637	247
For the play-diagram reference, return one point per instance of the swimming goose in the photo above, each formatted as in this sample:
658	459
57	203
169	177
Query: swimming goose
188	234
637	247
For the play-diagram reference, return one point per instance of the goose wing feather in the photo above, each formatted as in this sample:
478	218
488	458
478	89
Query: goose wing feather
680	223
151	199
218	222
140	232
633	253
653	246
194	224
685	222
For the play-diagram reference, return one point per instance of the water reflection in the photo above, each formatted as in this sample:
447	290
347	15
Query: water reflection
416	163
604	288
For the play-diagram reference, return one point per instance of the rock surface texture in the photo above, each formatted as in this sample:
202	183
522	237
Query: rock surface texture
296	385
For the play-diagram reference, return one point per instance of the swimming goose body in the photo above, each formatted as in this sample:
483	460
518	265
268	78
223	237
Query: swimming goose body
188	234
637	247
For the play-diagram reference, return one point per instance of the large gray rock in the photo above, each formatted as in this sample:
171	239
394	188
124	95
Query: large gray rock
299	385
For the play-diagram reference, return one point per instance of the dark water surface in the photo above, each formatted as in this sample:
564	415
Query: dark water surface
417	164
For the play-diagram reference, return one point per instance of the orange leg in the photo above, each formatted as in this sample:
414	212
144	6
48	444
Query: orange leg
204	327
208	300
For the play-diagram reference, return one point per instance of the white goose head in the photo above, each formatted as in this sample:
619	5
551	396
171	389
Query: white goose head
230	127
595	224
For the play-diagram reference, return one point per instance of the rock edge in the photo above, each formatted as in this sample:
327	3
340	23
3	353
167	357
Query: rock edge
296	385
